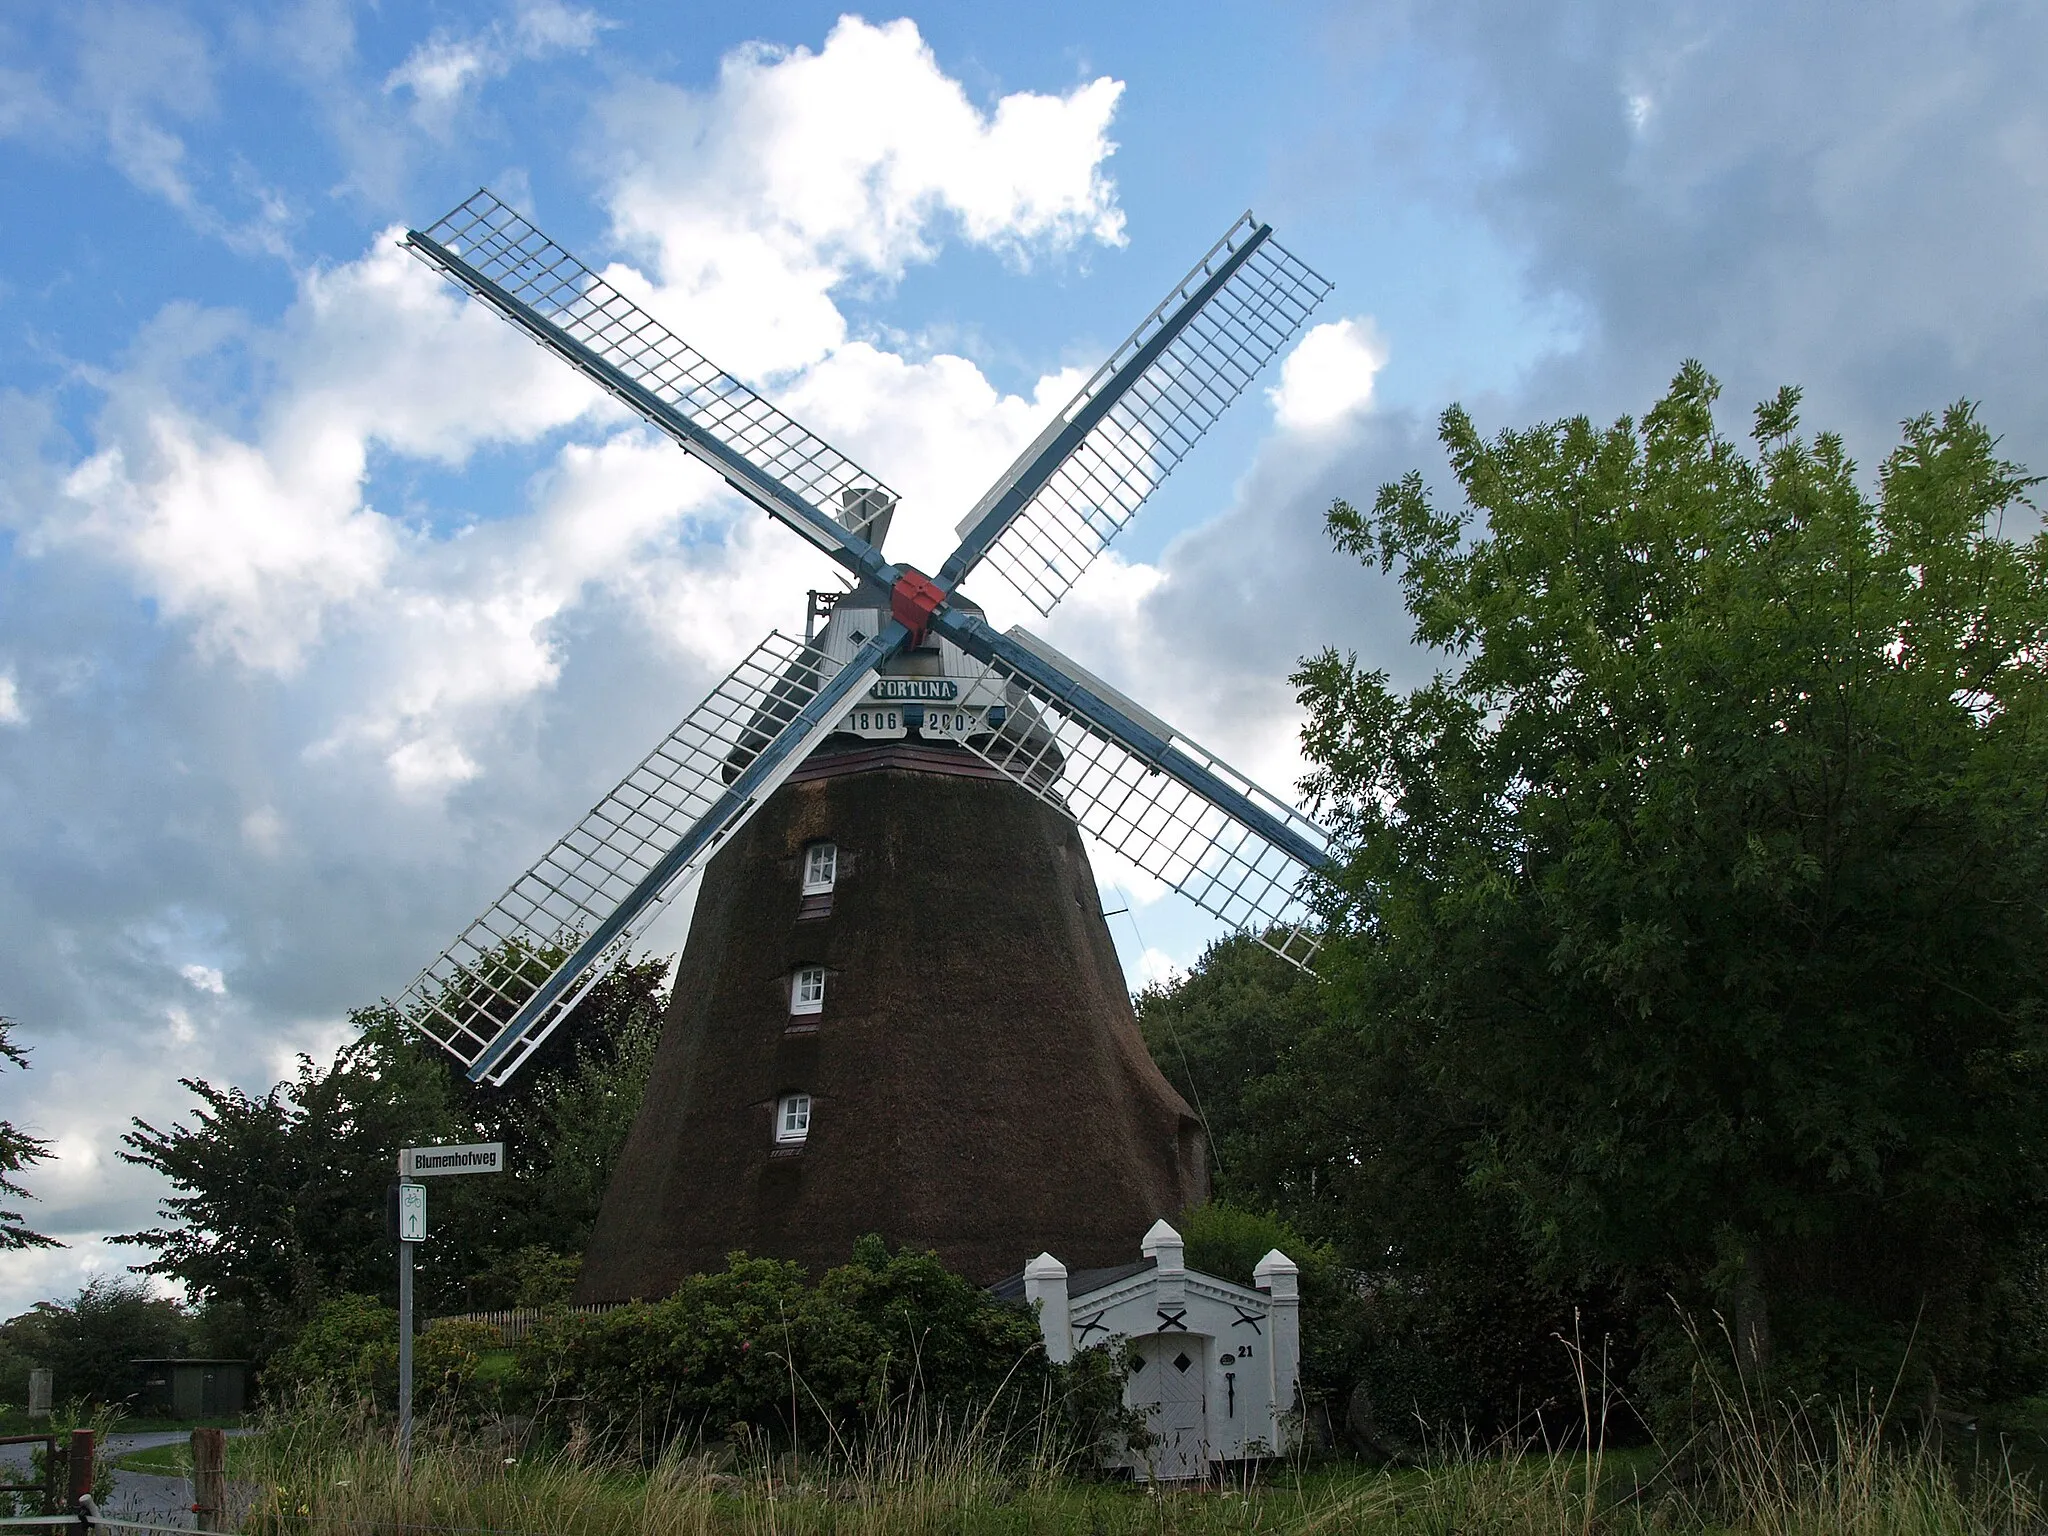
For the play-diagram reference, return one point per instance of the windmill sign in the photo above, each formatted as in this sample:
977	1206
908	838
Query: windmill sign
907	656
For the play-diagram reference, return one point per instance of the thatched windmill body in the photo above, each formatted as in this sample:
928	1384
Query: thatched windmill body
899	1009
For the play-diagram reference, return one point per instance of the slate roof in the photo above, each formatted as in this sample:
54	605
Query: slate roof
1080	1282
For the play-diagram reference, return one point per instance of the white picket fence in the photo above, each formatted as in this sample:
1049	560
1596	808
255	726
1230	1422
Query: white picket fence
515	1323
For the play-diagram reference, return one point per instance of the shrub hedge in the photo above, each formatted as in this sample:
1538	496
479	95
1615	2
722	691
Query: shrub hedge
755	1351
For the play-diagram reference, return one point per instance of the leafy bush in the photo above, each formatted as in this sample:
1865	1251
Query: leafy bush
348	1350
348	1354
755	1353
448	1367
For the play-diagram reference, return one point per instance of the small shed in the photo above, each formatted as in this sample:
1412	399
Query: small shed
192	1388
1218	1367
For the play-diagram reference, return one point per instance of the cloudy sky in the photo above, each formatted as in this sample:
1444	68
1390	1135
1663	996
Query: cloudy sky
326	601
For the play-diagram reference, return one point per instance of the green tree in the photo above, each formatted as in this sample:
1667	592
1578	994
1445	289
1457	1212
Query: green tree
19	1151
90	1343
1422	1303
564	1120
1701	894
1218	1032
280	1197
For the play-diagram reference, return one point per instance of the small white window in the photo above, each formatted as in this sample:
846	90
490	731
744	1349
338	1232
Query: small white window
792	1119
821	868
807	990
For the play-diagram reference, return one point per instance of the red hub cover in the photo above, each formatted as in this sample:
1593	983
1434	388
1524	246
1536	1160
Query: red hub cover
913	601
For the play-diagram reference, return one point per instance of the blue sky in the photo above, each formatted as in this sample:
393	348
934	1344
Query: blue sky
325	601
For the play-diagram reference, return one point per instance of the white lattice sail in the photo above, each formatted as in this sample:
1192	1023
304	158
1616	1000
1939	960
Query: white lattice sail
1154	821
1177	396
558	290
473	993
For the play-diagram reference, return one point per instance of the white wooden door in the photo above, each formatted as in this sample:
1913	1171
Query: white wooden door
1170	1383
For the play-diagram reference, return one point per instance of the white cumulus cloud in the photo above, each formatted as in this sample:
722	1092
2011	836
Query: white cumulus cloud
803	169
256	538
1156	967
1329	376
253	548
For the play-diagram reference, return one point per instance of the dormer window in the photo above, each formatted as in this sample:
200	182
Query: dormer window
807	990
821	868
792	1119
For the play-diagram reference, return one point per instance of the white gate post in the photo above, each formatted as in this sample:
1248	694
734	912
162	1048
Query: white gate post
1280	1278
1164	1247
1045	1287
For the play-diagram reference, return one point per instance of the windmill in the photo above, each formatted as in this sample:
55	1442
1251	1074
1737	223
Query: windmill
928	773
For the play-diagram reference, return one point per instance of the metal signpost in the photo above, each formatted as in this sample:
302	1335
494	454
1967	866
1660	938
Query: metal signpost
408	1217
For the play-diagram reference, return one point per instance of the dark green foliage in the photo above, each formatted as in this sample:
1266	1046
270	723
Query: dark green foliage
347	1354
18	1152
1219	1033
756	1351
564	1119
888	1322
280	1201
89	1344
534	1276
1695	933
1420	1301
711	1356
281	1196
1229	1241
347	1350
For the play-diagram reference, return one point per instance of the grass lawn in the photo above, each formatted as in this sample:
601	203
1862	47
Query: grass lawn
496	1365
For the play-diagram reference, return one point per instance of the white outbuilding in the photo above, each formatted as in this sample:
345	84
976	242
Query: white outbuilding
1218	1365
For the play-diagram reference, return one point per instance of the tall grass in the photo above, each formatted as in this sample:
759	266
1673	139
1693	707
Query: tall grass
1761	1467
1784	1468
916	1469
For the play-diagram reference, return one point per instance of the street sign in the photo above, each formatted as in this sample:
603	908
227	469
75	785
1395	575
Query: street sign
434	1162
411	1220
412	1213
